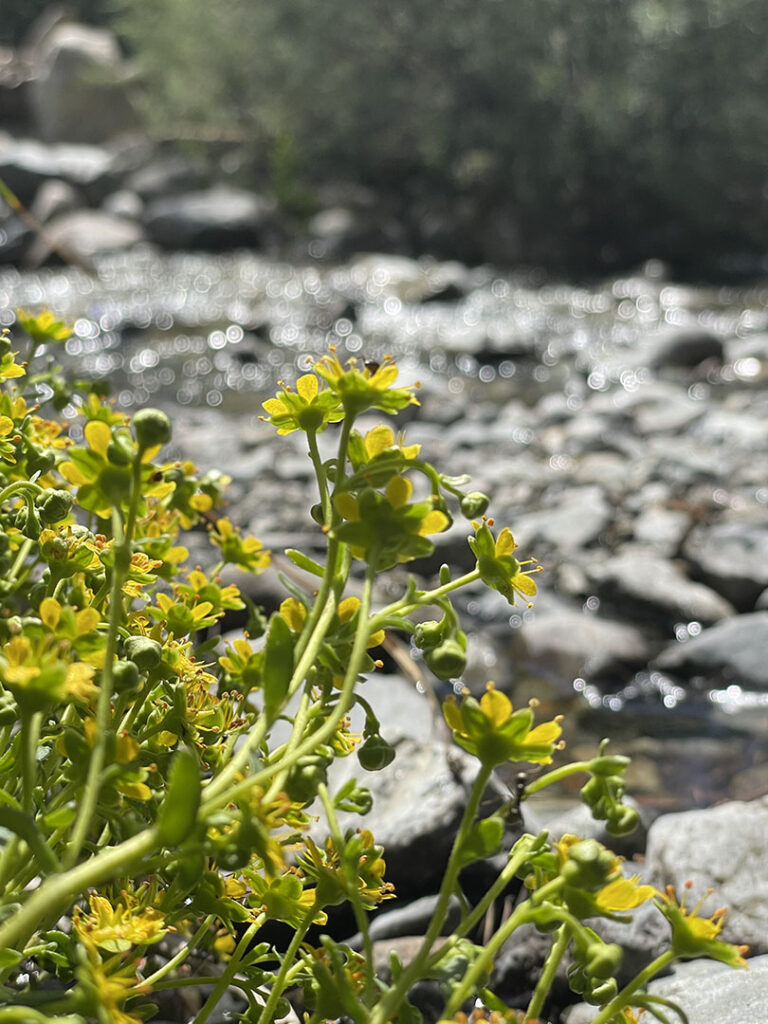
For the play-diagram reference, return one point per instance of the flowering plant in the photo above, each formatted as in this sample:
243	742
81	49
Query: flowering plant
143	799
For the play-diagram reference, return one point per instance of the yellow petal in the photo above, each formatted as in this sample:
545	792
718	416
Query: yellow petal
50	612
524	584
384	376
505	544
307	387
86	621
6	425
496	706
294	613
98	435
347	506
434	522
376	638
398	491
73	474
378	440
347	608
274	407
452	715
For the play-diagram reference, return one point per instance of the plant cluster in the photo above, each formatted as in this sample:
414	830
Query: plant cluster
152	827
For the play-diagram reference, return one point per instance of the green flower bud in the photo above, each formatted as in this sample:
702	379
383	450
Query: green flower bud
623	822
602	994
304	778
375	754
9	712
428	634
28	521
448	660
589	864
125	676
39	460
474	504
54	506
152	427
602	960
144	652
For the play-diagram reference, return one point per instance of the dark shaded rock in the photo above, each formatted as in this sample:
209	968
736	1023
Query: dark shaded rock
15	238
730	652
14	90
706	992
79	91
216	218
638	582
686	348
722	847
732	557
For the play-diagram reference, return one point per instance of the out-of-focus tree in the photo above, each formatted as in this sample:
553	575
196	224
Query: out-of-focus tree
605	131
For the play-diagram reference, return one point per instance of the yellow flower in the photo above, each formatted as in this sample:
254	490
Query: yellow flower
494	732
245	552
498	567
366	388
43	327
694	936
118	927
307	408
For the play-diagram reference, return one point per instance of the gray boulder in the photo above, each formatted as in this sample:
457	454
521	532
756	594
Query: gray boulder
26	164
730	652
79	90
638	582
723	848
79	236
563	642
54	197
706	992
732	557
215	218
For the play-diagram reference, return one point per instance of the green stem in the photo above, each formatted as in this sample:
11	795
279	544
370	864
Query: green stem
556	776
30	734
182	954
624	998
23	825
21	556
361	918
26	1015
278	985
547	977
322	483
229	972
392	999
94	780
25	487
404	606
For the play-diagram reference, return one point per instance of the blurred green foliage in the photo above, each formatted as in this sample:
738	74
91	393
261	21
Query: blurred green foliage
587	134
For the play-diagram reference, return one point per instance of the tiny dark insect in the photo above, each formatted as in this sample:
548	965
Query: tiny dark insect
372	366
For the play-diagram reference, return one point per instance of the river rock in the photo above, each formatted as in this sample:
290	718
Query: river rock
639	583
576	520
79	90
732	557
53	198
25	164
685	348
729	652
706	992
564	642
721	847
83	234
215	218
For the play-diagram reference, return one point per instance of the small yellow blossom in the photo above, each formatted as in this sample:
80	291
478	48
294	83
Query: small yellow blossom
118	926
